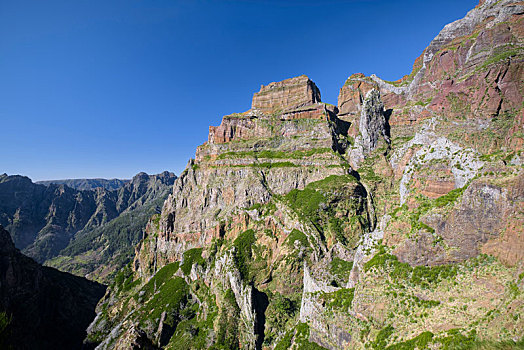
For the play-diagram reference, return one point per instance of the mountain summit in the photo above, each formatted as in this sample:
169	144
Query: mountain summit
393	220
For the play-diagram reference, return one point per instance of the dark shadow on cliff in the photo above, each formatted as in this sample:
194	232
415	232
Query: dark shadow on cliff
387	127
261	303
48	309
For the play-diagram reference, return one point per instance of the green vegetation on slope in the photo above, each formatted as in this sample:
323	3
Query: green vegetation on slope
270	154
192	256
419	275
244	252
113	242
326	204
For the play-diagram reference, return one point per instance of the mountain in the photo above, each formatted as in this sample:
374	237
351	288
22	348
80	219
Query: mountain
87	184
97	229
40	307
391	221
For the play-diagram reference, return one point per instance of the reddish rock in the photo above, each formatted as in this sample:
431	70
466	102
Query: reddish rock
286	95
238	127
509	247
290	99
435	189
352	94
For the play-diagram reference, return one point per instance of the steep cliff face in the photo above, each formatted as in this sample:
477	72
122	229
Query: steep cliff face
44	308
391	221
47	220
249	159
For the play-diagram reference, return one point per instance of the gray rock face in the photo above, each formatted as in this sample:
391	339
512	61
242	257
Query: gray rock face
372	128
464	163
475	230
372	121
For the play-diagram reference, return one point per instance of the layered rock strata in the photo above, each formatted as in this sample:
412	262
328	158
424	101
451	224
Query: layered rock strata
299	224
248	159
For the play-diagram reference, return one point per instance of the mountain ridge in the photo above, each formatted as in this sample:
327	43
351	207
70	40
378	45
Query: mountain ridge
87	184
44	220
393	220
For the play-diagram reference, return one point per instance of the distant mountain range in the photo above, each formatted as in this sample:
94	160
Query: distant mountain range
81	231
87	184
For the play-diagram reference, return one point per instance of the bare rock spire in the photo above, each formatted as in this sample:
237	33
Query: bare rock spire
372	121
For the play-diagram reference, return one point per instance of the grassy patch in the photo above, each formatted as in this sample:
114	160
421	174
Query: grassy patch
340	299
269	154
306	201
421	341
5	321
280	313
244	252
341	268
333	205
425	205
300	337
420	275
227	335
192	256
162	276
195	326
124	280
501	56
456	340
382	338
172	297
449	198
299	236
332	182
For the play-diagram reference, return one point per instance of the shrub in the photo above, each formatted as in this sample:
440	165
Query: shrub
341	268
172	297
306	201
299	236
341	299
382	337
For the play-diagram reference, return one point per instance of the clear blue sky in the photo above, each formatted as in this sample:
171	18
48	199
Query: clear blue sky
108	88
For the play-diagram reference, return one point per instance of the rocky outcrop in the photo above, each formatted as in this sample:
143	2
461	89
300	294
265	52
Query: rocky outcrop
287	95
472	70
243	292
291	99
373	123
372	129
352	94
248	159
46	308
